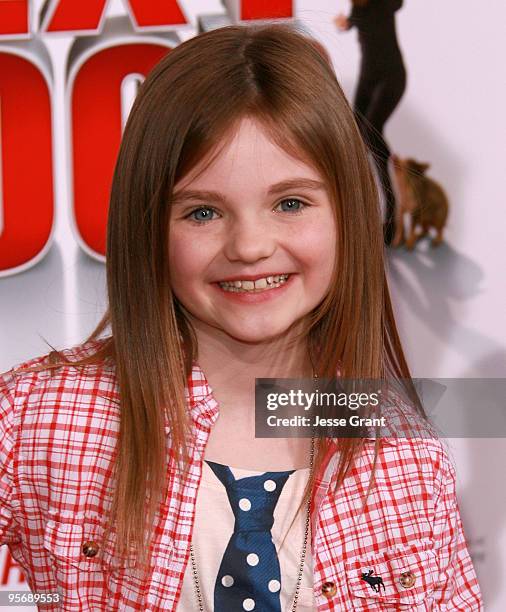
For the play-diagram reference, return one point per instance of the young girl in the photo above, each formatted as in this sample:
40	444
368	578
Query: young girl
244	241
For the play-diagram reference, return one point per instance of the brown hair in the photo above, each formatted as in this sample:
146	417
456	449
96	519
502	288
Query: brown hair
188	103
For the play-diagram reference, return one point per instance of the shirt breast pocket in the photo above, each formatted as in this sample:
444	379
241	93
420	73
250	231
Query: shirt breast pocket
87	575
393	581
78	543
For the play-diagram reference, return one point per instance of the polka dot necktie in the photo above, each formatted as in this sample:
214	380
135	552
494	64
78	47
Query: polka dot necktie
249	577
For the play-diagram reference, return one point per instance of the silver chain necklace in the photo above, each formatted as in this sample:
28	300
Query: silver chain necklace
196	581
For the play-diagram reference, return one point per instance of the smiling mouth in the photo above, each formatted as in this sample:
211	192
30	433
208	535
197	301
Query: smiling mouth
250	286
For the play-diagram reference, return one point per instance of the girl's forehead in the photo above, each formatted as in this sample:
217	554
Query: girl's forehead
252	152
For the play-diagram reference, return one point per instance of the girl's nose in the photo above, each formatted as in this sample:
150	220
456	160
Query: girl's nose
249	242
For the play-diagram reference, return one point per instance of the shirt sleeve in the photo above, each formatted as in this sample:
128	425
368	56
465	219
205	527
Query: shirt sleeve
8	532
457	586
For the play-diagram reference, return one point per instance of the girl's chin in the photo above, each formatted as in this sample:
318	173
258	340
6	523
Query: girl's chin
248	330
254	338
253	335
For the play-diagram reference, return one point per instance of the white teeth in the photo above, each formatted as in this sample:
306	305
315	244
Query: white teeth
269	282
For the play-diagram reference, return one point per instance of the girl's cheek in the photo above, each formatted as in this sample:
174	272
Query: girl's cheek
318	244
181	260
190	254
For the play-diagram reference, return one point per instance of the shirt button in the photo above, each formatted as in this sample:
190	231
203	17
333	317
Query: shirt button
407	579
90	549
329	589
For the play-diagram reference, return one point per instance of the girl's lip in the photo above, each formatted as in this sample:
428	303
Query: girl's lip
254	297
250	277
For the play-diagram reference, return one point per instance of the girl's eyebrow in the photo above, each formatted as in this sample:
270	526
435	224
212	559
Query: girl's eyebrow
296	183
186	195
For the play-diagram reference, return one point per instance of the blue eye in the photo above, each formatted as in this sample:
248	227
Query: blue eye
202	214
291	205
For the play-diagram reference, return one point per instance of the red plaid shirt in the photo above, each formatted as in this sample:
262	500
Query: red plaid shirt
57	436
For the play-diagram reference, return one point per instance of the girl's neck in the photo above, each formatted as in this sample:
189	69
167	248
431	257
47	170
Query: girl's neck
234	365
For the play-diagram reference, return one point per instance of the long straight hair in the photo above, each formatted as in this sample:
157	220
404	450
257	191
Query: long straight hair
189	102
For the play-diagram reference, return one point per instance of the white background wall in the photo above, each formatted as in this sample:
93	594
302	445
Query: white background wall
450	302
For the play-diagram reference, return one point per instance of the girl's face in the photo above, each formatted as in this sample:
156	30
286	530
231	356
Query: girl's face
252	239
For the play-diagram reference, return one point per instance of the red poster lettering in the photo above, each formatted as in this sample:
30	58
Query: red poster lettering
157	13
265	9
10	564
69	15
13	17
96	132
26	201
